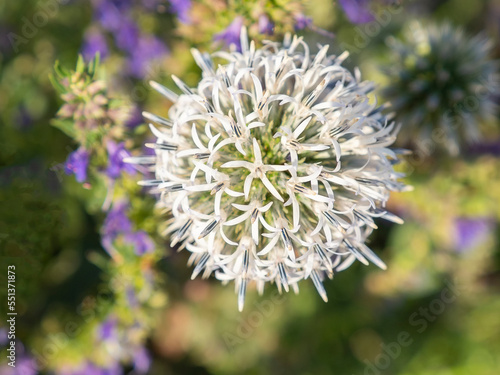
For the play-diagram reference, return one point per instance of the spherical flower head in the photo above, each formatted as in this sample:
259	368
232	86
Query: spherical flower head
441	85
273	167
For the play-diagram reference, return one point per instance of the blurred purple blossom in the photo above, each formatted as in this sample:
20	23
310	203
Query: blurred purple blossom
358	11
25	365
135	117
89	368
141	49
77	164
109	13
141	241
471	232
23	118
301	21
486	147
152	5
181	9
231	35
117	222
148	49
107	329
265	25
94	42
116	154
3	336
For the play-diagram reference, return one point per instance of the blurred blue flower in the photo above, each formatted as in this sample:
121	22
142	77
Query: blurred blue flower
117	222
471	232
231	35
77	164
127	35
116	154
141	241
23	118
25	365
265	25
135	118
181	9
358	11
3	336
109	13
301	21
89	368
486	147
141	49
148	49
94	42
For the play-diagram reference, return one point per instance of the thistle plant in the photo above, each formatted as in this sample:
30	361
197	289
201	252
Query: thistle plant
274	167
441	84
95	120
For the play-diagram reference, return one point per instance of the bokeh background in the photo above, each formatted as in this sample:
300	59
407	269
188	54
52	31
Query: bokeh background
86	307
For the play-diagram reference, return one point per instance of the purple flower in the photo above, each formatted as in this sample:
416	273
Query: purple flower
127	35
77	164
231	35
23	118
131	297
141	241
24	366
107	329
116	154
142	360
181	9
471	232
486	147
148	49
301	21
109	13
358	11
265	25
117	222
94	42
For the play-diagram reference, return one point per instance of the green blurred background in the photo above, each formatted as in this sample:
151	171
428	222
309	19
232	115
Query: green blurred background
434	311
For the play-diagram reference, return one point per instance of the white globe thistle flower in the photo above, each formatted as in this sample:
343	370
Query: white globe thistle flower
274	167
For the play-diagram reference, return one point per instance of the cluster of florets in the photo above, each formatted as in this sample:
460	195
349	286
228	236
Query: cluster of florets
273	168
